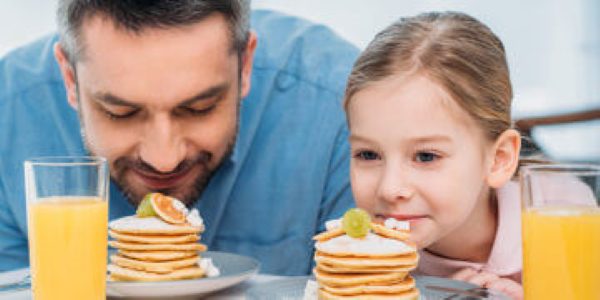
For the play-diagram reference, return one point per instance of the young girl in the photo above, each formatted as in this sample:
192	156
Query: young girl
428	105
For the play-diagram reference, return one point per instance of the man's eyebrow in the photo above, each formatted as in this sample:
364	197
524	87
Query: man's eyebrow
111	99
211	92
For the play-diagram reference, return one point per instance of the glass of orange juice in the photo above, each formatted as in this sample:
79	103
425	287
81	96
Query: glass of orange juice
561	231
67	216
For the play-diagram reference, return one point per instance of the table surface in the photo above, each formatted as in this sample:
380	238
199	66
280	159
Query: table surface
231	293
430	286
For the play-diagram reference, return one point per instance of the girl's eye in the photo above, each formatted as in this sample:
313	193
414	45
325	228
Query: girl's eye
366	155
426	157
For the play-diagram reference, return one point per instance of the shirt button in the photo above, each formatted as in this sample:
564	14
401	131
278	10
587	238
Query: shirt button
284	80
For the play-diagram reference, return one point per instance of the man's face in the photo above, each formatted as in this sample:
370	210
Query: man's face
161	105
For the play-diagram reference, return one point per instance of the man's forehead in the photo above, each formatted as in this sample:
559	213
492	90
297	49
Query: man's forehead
102	31
162	67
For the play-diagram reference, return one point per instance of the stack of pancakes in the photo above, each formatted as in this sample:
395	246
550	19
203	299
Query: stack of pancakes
150	249
373	267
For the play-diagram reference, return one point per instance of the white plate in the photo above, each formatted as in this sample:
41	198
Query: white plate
234	269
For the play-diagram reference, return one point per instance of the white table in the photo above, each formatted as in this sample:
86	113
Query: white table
236	292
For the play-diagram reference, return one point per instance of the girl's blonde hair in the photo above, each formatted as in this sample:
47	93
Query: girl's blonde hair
454	50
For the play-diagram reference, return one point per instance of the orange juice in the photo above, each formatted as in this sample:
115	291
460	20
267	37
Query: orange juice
561	253
68	241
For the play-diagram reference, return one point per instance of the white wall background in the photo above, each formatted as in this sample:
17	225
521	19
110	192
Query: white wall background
553	48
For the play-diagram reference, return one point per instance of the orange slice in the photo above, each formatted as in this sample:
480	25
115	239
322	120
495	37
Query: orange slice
166	209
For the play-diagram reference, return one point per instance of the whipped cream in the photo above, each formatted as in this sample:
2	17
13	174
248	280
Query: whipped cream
392	223
333	224
178	205
371	244
195	219
134	223
209	267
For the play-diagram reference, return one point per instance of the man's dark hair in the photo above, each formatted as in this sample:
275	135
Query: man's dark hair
135	16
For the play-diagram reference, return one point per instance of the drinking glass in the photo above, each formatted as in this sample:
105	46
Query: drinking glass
561	231
67	216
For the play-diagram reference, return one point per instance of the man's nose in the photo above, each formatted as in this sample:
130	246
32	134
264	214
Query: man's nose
394	184
162	146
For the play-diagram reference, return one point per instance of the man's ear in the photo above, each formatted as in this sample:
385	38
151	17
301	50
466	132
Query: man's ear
68	74
247	59
505	159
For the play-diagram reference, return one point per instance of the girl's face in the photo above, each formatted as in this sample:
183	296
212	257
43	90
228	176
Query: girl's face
417	156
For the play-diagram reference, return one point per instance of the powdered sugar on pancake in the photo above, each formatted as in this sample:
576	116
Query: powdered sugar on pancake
178	205
392	223
333	224
372	244
133	223
195	219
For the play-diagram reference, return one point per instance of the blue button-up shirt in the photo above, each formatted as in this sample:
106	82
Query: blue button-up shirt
287	175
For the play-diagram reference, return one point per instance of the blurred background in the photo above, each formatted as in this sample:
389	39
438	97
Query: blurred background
553	49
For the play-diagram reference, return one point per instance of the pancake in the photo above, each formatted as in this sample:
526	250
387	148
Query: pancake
374	288
153	267
118	273
157	247
364	270
412	294
154	239
367	265
327	235
401	235
158	255
151	226
345	280
363	262
372	245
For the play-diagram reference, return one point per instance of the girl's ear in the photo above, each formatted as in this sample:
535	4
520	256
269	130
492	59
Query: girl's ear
505	158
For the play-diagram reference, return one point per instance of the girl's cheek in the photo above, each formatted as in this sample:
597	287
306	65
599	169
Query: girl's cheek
360	203
367	203
364	189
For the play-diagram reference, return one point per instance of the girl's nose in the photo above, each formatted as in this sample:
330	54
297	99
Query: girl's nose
395	185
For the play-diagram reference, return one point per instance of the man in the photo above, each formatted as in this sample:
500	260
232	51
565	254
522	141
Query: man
181	97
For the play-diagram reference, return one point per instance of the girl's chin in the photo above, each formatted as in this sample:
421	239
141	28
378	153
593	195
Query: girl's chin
421	237
420	244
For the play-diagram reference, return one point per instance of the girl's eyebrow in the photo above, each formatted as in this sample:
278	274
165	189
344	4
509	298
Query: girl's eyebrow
439	138
358	138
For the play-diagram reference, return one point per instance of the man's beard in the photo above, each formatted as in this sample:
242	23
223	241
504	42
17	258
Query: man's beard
188	195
